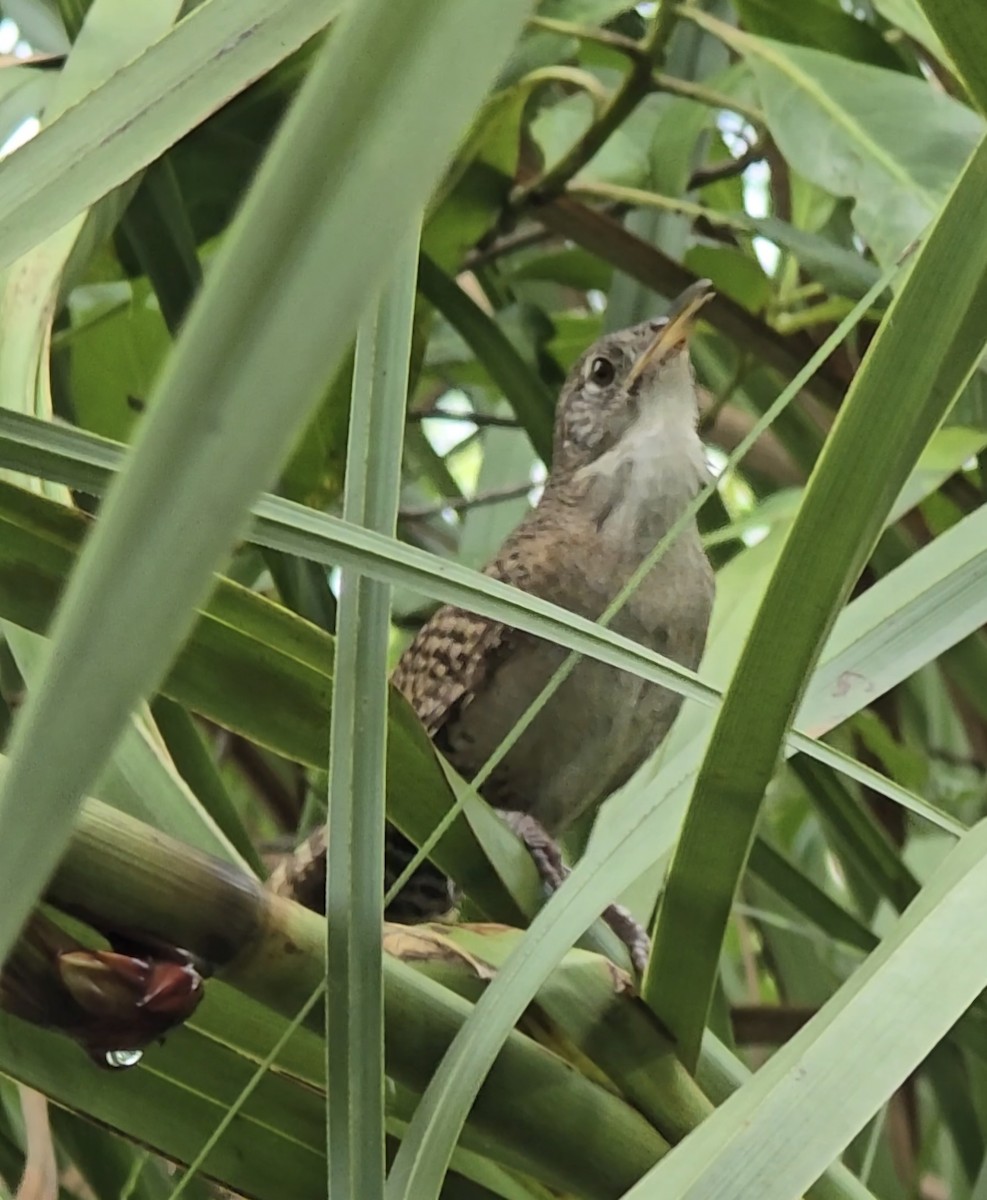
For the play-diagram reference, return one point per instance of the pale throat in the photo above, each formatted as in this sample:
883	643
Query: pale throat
641	485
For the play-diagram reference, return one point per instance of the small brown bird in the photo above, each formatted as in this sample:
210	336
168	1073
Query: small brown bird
626	461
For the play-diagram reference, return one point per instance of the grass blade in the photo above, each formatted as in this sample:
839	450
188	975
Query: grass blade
355	867
874	639
144	108
962	31
784	1127
925	350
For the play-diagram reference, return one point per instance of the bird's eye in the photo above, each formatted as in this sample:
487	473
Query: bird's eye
602	371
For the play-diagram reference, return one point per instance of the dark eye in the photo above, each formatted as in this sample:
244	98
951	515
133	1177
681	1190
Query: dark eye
602	371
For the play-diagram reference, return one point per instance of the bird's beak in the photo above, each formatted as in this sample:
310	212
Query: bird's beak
678	327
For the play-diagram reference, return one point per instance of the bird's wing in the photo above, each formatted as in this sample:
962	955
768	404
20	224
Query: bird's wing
450	659
456	653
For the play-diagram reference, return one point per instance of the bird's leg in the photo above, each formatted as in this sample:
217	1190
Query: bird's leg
426	896
547	858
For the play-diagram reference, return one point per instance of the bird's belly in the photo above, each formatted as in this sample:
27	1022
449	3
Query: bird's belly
592	734
602	723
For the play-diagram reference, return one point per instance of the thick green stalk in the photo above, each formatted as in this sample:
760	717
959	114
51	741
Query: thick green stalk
119	873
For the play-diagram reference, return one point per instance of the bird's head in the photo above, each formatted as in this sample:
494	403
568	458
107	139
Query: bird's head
629	386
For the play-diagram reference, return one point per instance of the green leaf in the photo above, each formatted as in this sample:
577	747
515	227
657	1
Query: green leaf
144	108
24	91
820	25
587	11
921	358
621	159
355	877
115	350
176	1096
838	269
892	144
157	228
803	1107
931	602
479	181
531	400
960	27
265	301
909	17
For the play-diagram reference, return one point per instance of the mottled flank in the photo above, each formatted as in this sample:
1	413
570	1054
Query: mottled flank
627	459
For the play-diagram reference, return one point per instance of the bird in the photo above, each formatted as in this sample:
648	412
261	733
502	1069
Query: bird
626	461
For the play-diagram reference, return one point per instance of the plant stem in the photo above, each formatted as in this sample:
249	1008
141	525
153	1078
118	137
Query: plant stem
121	874
465	503
637	83
571	77
639	198
590	33
690	90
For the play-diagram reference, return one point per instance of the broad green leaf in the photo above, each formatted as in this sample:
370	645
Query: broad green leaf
837	268
479	181
818	24
892	144
115	350
621	160
571	268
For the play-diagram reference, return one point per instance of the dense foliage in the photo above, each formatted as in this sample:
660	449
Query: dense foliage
289	289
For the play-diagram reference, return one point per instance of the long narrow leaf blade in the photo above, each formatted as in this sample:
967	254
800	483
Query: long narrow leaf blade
144	108
783	1128
355	879
925	350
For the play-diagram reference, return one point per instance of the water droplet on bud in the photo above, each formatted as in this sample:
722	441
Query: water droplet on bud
119	1060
